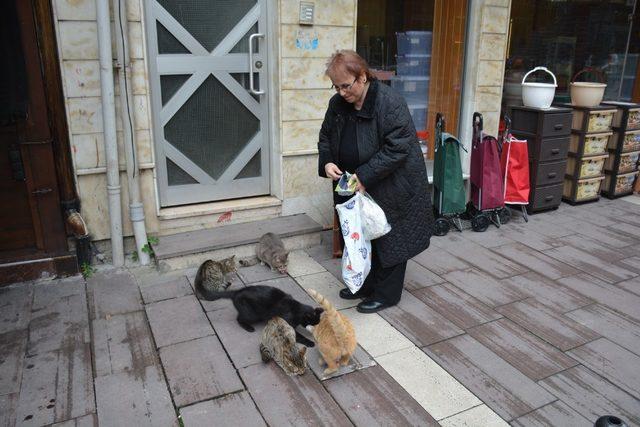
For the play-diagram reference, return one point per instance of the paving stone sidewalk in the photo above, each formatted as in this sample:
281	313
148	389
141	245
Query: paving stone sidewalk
531	324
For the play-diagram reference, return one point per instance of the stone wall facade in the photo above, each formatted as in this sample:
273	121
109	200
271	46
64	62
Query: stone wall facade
302	93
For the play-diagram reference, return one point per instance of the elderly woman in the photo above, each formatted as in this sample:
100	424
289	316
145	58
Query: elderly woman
368	131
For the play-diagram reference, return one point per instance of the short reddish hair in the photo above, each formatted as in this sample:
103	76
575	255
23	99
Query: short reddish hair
353	63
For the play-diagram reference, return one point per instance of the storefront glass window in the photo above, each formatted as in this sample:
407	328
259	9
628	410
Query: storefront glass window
417	47
569	36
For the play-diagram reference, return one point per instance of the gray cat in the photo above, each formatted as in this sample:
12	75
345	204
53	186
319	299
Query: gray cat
279	343
270	250
212	276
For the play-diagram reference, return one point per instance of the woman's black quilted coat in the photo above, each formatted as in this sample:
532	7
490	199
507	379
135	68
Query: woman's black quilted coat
392	168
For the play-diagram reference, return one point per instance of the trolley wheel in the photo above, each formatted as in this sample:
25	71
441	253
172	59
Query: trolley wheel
480	222
441	227
504	215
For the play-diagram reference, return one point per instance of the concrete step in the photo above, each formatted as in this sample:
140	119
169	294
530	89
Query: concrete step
190	249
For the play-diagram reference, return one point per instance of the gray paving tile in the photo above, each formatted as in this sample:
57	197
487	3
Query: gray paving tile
605	294
63	320
372	397
606	236
236	408
418	277
631	285
593	247
333	266
536	261
123	343
57	386
177	320
242	346
556	413
439	261
588	263
524	351
548	292
486	260
301	263
171	288
501	386
198	370
549	225
113	292
285	400
591	395
527	234
612	362
457	306
480	415
258	273
126	399
15	307
491	238
13	347
545	323
590	216
328	286
320	252
376	335
419	322
90	420
616	327
420	376
626	228
632	264
483	287
45	292
8	407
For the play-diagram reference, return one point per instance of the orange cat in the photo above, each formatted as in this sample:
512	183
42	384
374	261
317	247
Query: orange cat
334	335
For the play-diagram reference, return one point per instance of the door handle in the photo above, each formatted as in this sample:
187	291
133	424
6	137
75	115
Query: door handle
552	174
252	89
548	198
559	126
555	151
41	191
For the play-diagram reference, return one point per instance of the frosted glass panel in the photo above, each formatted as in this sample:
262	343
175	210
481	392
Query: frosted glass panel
170	84
167	43
177	176
252	169
212	127
243	45
208	21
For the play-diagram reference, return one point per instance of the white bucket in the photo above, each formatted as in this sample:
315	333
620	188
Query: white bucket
538	95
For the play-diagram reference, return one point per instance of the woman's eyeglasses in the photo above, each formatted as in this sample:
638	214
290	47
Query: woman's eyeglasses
344	86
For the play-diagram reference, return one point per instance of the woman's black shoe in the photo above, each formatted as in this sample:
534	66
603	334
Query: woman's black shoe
346	294
371	306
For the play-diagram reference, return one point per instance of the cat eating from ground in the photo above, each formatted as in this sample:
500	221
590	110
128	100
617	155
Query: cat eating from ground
335	336
279	344
260	303
212	276
270	250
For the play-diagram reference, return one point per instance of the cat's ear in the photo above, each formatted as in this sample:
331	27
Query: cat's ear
319	310
286	255
303	351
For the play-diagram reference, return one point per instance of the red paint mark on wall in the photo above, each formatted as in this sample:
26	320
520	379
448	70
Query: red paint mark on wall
225	217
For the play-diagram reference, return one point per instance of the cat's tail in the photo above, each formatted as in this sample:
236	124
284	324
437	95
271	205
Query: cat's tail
209	295
248	262
332	315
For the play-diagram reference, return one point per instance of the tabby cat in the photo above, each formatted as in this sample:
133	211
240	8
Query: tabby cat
334	335
270	250
212	276
260	303
279	343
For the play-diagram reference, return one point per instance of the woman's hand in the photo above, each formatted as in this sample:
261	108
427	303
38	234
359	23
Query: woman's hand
332	171
359	186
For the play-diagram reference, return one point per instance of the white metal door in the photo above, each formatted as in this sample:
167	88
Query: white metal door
208	64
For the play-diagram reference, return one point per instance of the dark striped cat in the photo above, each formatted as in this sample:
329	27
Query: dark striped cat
279	344
212	276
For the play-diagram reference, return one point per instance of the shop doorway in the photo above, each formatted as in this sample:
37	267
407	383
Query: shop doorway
417	47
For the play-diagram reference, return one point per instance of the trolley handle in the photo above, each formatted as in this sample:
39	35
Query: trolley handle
477	127
440	124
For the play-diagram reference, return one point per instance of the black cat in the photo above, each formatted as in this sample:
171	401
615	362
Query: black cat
261	303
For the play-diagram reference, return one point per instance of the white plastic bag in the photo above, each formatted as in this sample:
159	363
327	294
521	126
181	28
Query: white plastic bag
356	256
374	221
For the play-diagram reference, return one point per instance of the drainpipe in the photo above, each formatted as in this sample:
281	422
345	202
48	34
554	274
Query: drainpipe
109	126
136	210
